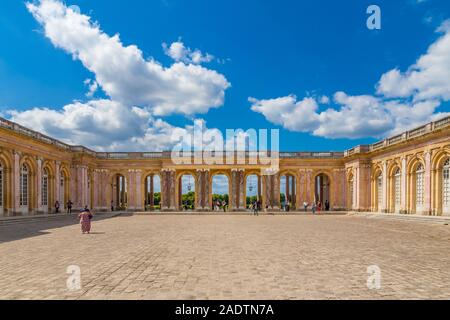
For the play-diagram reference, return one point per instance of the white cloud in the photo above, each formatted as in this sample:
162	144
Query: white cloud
122	71
356	117
427	79
105	125
179	52
404	100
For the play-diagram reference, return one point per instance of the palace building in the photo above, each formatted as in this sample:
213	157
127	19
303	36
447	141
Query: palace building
408	173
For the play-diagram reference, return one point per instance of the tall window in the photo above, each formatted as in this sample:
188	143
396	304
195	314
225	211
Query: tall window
1	185
24	186
44	193
420	172
380	191
397	187
446	185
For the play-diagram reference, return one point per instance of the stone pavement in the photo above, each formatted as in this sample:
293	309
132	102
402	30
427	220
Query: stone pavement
226	257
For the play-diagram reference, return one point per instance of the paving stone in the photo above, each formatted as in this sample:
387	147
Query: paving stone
227	257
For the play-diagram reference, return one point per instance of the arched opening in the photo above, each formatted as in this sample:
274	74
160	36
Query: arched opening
377	190
120	195
253	190
446	188
2	189
419	186
288	191
322	191
152	192
220	192
186	192
45	189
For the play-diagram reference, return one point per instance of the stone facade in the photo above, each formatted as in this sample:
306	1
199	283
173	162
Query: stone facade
408	173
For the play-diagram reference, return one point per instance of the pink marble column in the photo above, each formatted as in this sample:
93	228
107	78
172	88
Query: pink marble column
38	194
139	200
403	186
16	182
427	184
58	185
384	207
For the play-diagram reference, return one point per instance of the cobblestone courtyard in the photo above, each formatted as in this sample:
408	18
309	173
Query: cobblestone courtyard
226	257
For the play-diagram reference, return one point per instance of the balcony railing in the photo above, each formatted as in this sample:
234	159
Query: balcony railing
417	132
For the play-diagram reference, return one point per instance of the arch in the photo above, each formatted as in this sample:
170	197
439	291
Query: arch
394	188
152	191
322	189
220	200
187	188
6	199
288	184
440	182
64	186
377	188
253	188
47	187
415	185
119	191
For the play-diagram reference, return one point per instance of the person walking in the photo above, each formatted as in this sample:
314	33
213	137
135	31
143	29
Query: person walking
85	220
112	206
69	206
224	205
255	209
305	205
327	205
57	206
314	208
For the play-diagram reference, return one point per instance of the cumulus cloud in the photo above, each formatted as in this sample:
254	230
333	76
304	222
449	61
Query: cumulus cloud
138	90
179	52
122	71
403	101
427	79
356	116
106	125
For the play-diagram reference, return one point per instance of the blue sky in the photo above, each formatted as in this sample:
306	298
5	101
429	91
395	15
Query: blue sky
265	50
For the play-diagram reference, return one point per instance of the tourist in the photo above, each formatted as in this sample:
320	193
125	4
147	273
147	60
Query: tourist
69	206
57	205
319	206
314	208
327	205
85	220
288	206
224	204
112	206
305	205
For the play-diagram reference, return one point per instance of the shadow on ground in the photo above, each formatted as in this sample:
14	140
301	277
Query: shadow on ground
29	229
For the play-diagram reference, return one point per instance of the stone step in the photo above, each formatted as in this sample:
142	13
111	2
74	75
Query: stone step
405	217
